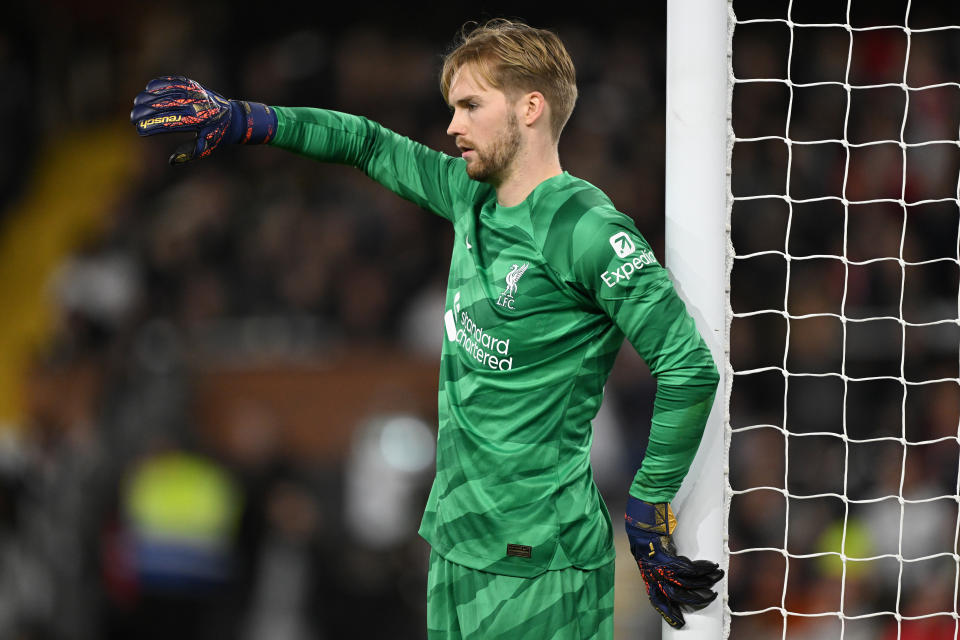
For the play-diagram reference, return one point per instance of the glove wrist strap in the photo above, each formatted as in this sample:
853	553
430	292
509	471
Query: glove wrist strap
253	122
656	517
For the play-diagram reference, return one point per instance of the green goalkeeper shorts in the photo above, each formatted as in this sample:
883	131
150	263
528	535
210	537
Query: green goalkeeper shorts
468	604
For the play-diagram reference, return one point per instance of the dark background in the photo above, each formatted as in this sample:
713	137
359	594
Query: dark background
218	386
844	342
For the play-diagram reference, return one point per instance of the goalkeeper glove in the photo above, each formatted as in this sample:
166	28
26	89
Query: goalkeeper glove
671	580
174	103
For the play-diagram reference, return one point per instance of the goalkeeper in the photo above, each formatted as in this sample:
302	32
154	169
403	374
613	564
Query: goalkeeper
546	280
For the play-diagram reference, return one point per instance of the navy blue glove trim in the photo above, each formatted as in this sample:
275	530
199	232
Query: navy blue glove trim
258	125
650	516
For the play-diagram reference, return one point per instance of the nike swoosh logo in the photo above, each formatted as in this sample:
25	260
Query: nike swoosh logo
451	326
467	240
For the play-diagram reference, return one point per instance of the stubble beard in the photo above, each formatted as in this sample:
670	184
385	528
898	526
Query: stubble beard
494	165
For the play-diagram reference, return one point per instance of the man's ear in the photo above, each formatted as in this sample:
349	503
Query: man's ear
533	106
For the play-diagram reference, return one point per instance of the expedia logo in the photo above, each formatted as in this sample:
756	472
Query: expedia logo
626	270
622	244
159	120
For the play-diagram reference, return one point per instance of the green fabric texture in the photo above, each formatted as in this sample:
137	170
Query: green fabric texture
468	604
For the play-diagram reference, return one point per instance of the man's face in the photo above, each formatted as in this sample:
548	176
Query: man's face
484	126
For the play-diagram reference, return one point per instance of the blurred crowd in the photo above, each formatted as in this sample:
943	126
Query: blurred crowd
125	513
845	416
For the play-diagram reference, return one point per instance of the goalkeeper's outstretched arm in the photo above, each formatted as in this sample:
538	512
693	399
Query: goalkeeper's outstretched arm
171	104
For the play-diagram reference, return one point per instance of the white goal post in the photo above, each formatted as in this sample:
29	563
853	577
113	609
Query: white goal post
828	482
696	190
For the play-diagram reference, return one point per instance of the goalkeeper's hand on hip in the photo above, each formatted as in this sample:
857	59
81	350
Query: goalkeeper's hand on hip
174	103
672	581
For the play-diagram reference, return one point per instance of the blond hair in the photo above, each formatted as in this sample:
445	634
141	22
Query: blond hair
516	58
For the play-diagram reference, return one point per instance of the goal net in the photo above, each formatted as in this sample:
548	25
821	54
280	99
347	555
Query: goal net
843	370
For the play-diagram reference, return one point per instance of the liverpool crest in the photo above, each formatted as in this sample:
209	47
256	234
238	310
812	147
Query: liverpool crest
506	298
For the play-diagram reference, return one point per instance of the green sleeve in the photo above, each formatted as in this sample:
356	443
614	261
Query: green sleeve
663	333
413	171
616	265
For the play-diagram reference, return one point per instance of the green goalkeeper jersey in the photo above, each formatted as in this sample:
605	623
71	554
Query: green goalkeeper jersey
539	299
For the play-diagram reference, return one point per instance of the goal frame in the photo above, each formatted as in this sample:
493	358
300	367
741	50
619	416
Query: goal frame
697	201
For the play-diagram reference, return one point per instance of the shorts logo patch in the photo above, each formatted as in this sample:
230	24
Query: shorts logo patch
519	550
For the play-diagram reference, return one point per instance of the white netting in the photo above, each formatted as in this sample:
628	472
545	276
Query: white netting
844	361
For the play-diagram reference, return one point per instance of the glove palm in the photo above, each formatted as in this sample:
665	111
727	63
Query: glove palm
175	103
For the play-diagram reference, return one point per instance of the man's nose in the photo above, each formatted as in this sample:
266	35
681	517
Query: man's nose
455	128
